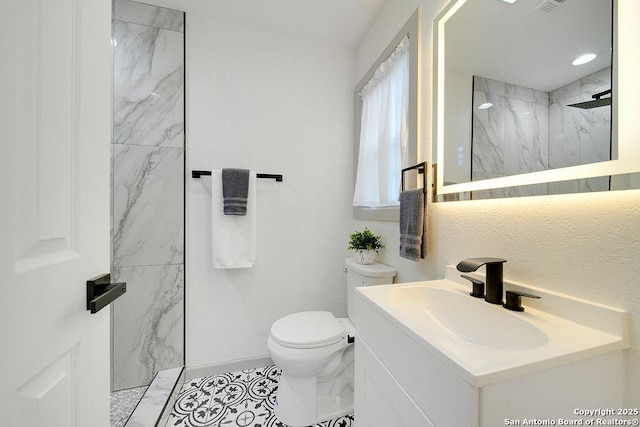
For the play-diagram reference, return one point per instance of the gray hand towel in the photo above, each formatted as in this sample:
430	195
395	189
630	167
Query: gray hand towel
235	189
412	224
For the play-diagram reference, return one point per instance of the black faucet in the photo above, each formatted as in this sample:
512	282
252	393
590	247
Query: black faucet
494	286
514	300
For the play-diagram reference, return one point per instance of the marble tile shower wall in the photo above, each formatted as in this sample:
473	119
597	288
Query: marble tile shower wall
578	136
147	192
528	130
518	118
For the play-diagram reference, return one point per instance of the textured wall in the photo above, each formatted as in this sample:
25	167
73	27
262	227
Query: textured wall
586	245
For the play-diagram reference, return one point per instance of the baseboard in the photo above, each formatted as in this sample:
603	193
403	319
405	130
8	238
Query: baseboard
228	366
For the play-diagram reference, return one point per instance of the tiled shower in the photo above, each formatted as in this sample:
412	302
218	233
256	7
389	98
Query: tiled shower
546	132
148	151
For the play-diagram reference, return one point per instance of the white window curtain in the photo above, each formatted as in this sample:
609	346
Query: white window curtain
384	132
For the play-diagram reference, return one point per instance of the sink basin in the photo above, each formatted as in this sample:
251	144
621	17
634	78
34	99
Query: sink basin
449	359
485	343
467	318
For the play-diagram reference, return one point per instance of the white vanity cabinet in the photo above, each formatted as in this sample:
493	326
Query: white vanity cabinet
379	399
394	375
411	375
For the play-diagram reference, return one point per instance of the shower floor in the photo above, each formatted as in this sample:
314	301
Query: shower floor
123	403
243	398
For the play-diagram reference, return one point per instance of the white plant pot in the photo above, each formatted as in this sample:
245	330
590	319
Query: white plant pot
365	256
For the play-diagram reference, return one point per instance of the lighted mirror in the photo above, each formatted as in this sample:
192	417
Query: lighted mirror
526	95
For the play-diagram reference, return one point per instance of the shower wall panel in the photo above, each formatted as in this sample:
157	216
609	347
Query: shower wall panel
528	130
578	136
150	327
147	192
149	86
511	137
147	206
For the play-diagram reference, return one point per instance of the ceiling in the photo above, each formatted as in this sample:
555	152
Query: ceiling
525	45
338	22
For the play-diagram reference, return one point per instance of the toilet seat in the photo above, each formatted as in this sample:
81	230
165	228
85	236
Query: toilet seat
309	329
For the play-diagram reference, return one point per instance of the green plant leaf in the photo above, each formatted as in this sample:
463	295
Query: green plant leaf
365	240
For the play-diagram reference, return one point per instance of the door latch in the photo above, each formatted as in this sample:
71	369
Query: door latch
101	292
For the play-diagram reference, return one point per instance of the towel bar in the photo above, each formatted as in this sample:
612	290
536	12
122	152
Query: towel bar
198	174
422	167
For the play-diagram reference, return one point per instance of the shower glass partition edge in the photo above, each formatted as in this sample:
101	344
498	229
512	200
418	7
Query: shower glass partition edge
147	197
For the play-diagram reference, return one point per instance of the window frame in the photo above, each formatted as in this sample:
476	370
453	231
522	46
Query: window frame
411	29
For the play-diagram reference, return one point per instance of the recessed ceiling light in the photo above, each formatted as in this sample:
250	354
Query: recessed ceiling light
583	59
485	106
510	1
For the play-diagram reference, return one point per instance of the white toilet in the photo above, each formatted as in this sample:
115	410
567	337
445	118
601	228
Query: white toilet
315	351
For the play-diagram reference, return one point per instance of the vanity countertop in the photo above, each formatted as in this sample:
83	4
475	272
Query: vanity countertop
484	343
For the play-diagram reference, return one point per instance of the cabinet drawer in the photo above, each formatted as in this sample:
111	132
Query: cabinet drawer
442	395
379	400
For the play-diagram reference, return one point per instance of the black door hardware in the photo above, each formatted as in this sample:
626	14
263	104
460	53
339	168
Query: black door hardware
101	292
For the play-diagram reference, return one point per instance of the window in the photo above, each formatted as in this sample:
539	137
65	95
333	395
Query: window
384	131
387	111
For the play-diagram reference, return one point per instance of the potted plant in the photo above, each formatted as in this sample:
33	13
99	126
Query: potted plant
366	244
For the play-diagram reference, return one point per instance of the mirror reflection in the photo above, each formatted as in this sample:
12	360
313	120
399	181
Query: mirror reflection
528	88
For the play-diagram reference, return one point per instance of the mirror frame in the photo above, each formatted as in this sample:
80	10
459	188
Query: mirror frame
626	88
412	29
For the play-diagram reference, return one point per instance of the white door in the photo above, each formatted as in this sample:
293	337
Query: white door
54	205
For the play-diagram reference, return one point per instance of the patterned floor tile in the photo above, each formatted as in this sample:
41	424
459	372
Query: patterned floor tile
236	399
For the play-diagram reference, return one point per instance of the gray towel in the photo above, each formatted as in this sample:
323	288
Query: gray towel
235	189
412	224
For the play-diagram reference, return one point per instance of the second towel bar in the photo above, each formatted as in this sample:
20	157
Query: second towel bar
198	174
422	169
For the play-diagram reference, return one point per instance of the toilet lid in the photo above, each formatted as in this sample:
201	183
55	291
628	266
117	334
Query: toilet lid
308	329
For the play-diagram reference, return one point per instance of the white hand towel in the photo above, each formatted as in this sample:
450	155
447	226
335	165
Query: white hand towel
233	236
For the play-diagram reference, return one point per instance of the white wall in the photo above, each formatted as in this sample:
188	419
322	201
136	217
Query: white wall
275	104
587	245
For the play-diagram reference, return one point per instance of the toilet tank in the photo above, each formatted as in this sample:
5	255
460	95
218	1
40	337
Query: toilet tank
365	275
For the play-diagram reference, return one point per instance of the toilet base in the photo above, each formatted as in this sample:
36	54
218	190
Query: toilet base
316	384
307	401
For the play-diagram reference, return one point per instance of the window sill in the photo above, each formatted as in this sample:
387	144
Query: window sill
387	213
